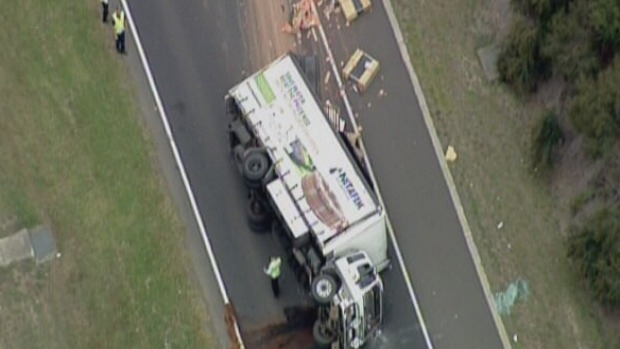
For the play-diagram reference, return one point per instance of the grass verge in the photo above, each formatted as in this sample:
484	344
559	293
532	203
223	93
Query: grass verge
491	132
73	155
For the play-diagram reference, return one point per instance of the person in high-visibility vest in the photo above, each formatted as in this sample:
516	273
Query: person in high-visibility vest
104	7
118	17
273	271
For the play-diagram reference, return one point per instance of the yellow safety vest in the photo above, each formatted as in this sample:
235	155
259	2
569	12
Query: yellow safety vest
273	270
119	22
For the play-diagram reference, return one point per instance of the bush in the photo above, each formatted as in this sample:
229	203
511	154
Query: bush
548	134
595	253
568	44
605	17
540	10
595	110
520	62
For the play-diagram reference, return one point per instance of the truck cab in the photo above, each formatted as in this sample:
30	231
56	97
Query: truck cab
354	311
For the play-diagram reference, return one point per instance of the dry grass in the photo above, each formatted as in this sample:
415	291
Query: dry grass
491	132
73	155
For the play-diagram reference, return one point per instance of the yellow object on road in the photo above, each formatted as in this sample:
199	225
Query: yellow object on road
354	8
361	69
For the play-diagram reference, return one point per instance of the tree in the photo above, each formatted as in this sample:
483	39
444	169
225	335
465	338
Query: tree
595	109
595	253
520	63
568	44
605	18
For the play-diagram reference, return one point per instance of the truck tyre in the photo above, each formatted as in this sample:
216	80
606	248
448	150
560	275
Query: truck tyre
322	337
258	214
255	167
323	288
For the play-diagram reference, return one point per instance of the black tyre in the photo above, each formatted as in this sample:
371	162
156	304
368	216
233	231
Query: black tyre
258	215
323	288
255	167
322	337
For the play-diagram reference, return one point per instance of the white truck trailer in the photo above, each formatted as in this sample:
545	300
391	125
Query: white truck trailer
306	188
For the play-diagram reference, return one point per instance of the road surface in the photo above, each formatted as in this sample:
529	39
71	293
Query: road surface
198	49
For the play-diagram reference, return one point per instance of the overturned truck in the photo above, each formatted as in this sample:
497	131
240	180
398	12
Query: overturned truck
307	189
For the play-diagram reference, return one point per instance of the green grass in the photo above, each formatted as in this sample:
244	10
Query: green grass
491	132
74	155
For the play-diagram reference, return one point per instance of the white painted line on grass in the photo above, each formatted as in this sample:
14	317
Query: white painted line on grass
456	200
177	158
399	256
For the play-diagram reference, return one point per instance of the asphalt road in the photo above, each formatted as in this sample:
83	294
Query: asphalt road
415	193
196	51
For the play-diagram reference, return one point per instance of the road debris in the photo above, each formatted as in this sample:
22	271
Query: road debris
327	76
353	8
303	18
505	301
451	154
361	68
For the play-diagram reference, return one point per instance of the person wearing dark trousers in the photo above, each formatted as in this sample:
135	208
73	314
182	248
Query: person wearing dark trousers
118	17
105	7
273	271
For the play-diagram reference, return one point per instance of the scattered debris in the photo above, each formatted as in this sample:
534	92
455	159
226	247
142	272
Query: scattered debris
504	301
327	76
361	69
353	8
451	154
303	18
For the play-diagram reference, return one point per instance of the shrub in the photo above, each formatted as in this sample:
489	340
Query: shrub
595	110
520	62
605	18
568	44
595	253
547	135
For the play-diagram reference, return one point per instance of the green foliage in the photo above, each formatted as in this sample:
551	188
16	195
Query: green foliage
595	253
595	110
605	18
568	44
520	62
540	9
548	134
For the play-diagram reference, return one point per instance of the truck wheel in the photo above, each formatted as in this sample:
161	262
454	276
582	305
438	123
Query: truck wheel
255	166
323	337
258	214
323	288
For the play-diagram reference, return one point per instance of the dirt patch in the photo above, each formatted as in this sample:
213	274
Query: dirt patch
262	23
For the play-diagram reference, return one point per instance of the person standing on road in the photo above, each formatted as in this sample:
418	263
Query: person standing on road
105	7
273	271
118	19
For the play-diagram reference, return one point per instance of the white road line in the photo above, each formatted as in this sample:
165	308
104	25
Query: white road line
456	200
399	256
177	158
